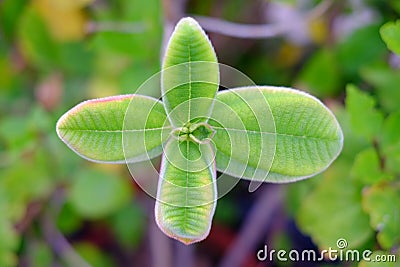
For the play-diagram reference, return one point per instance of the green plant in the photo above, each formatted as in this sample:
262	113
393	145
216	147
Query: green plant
259	133
360	193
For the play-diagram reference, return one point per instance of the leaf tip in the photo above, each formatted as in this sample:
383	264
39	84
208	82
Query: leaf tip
187	22
174	233
59	125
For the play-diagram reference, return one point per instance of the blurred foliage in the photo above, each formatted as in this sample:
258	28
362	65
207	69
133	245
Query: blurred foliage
357	198
54	54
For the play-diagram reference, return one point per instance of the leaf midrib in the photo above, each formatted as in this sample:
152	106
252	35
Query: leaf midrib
279	134
116	131
187	183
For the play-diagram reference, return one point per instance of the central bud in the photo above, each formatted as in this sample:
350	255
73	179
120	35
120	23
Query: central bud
197	132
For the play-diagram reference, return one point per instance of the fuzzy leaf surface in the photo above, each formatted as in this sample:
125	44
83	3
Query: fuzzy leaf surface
94	129
186	196
304	134
189	73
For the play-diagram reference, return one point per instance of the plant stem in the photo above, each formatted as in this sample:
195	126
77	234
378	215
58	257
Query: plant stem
255	225
59	243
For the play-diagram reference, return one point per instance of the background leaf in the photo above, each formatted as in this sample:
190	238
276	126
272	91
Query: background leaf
364	118
95	194
92	254
367	167
385	80
336	197
363	47
320	76
128	33
390	33
390	142
129	225
382	202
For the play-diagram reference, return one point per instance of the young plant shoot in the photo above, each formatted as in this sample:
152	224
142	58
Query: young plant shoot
259	133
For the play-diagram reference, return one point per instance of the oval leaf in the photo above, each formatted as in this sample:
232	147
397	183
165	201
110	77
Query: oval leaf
94	129
187	194
390	33
308	137
189	71
245	134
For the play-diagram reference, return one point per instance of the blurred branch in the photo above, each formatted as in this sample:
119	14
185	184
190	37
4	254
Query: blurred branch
255	225
60	244
184	255
173	10
256	31
320	9
160	244
55	238
32	212
240	30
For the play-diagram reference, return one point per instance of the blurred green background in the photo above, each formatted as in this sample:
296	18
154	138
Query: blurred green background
57	209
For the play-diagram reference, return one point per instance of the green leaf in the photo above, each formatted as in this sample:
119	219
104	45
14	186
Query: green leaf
297	192
93	255
306	134
187	194
96	194
202	132
68	220
382	202
395	5
390	33
129	225
96	129
245	133
35	41
353	144
390	142
8	243
190	75
385	81
333	210
363	47
366	167
40	254
130	28
365	120
320	75
10	11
